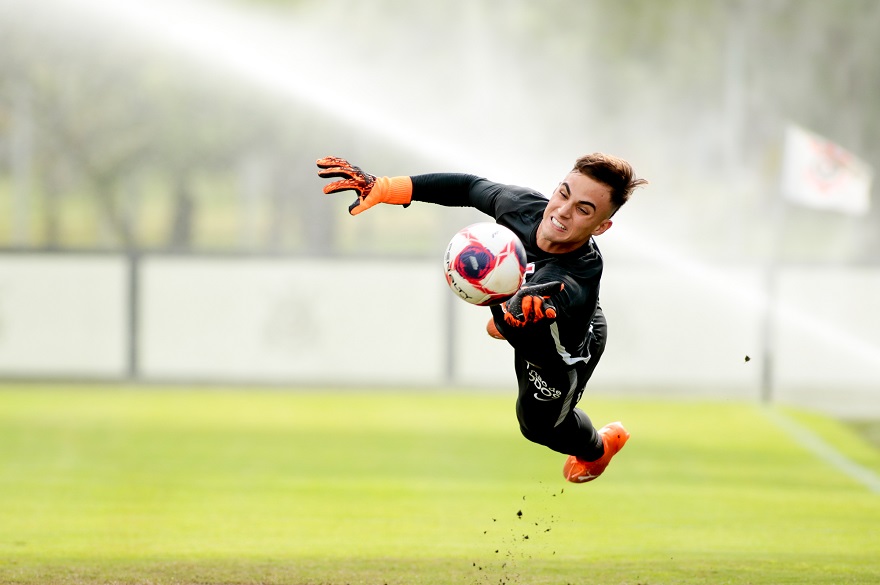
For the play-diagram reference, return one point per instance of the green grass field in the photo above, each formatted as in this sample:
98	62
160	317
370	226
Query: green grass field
174	486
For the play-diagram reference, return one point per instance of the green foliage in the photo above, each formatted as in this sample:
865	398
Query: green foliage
699	91
123	485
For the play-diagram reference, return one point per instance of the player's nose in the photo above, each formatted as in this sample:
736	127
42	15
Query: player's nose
564	210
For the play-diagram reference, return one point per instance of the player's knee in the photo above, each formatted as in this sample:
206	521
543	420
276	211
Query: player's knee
536	433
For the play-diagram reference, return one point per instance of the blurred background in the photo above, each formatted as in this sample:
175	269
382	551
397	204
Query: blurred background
161	221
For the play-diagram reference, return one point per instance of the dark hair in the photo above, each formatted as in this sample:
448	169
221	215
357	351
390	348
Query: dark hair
612	171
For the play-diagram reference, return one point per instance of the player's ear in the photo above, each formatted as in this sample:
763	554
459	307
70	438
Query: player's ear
602	227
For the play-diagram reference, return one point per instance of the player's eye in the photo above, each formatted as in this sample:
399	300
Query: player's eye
583	211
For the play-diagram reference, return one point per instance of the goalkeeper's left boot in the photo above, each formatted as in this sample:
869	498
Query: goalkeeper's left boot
614	437
492	330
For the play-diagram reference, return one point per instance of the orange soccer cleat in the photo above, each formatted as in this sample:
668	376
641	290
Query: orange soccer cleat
614	437
492	330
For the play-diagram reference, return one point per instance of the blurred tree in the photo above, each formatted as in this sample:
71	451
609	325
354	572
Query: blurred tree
704	87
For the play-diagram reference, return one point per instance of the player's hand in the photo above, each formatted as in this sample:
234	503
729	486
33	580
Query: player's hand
369	188
352	179
531	304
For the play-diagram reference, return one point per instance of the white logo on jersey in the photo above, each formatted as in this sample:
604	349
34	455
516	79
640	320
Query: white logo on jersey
545	393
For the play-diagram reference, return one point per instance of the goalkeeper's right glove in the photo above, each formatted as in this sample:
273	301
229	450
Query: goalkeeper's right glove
370	189
531	304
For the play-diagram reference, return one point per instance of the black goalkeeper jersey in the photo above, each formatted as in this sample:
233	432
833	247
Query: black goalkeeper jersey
565	341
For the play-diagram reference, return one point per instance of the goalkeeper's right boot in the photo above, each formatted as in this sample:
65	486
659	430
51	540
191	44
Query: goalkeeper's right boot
614	437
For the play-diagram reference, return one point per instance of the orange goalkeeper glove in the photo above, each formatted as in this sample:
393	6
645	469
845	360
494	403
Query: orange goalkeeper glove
370	189
531	304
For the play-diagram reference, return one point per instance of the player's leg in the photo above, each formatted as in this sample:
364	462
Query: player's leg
583	467
578	470
545	409
546	405
547	412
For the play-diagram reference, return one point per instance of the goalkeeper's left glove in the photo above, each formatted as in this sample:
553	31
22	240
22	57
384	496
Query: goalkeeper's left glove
370	189
531	304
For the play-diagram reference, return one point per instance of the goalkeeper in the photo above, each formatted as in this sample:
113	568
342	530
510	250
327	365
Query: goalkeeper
554	322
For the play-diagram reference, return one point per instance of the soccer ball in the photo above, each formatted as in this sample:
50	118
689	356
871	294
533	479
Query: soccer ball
485	263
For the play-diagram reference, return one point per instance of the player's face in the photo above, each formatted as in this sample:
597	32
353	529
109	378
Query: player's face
579	208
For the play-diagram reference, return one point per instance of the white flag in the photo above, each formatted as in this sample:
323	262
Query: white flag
820	174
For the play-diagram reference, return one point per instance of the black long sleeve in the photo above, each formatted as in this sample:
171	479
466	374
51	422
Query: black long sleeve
448	189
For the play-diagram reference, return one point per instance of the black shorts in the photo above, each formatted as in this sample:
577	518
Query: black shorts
545	406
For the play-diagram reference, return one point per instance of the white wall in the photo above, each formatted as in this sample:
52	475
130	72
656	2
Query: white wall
321	322
63	316
361	322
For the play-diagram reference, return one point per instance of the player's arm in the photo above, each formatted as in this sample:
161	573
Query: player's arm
531	305
447	189
370	189
525	320
549	292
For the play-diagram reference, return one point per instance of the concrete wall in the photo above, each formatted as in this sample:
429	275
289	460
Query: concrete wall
303	321
63	316
364	322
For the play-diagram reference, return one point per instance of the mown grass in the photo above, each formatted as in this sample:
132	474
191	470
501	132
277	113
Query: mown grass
132	485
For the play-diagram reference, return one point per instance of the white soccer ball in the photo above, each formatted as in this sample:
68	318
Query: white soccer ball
485	263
